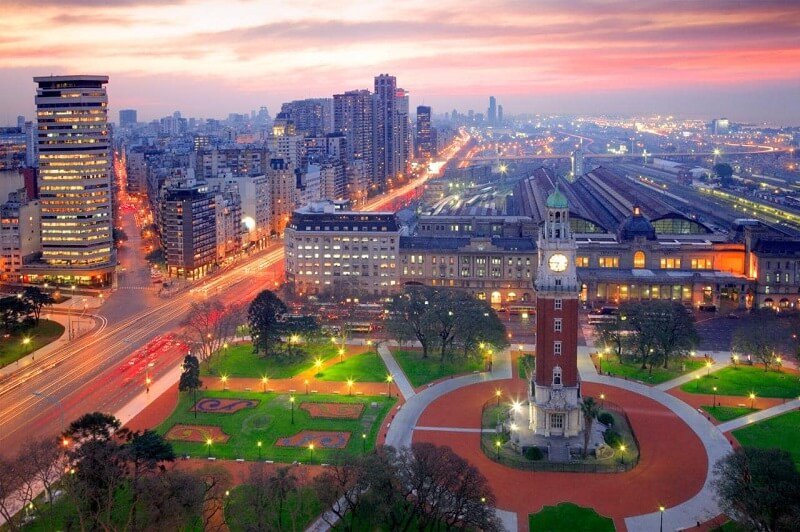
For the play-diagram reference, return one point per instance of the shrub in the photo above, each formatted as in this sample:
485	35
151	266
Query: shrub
606	419
612	438
533	453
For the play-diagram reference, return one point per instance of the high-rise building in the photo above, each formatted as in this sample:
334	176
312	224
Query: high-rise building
352	117
492	110
311	117
720	126
127	117
189	233
405	137
386	130
74	180
499	115
424	145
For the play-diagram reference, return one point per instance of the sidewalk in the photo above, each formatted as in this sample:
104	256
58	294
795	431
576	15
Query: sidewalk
703	505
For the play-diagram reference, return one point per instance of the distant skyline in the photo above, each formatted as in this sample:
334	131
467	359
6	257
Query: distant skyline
733	58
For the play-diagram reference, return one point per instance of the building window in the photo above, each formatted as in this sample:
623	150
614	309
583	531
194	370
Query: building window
557	325
638	259
557	376
609	262
557	421
582	262
701	264
670	263
557	348
557	304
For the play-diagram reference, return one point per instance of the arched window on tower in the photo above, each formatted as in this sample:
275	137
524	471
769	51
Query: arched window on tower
638	259
557	377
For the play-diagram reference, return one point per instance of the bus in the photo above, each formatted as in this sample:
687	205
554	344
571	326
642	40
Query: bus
359	327
525	310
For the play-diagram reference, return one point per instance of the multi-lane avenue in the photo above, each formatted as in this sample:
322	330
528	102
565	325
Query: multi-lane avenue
104	370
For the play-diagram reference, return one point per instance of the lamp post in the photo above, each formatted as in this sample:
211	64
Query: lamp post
600	361
291	402
714	404
697	383
147	379
69	313
363	443
258	444
26	342
209	441
306	383
752	400
311	452
264	381
497	394
661	509
622	453
708	368
318	366
602	400
341	354
389	380
350	386
224	380
497	445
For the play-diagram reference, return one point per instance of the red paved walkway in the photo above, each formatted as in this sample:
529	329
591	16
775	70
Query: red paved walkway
672	467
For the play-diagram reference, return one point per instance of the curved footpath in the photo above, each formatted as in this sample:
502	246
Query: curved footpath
699	508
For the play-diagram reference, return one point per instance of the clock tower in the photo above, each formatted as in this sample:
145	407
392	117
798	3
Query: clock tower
555	392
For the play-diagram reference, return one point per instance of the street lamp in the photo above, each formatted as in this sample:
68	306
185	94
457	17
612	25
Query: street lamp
697	383
600	361
622	453
26	342
735	360
497	445
258	444
714	405
661	509
69	313
752	400
708	368
291	402
602	400
264	381
350	386
497	394
389	380
318	366
364	443
311	452
147	379
341	354
224	380
306	383
209	441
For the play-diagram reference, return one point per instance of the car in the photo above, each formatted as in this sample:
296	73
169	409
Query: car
733	316
707	307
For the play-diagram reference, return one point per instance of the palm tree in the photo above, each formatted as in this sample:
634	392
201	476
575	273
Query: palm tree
589	409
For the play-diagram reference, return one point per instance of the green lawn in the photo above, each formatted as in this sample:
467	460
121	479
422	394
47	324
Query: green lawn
240	361
633	371
366	367
12	348
568	517
271	420
421	371
778	432
726	413
742	380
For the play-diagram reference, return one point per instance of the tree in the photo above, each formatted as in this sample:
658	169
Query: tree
266	496
171	500
44	459
410	316
339	488
12	310
675	333
529	365
724	172
759	336
119	236
759	488
14	491
190	378
477	323
157	256
443	488
590	409
36	300
93	426
208	325
143	451
264	317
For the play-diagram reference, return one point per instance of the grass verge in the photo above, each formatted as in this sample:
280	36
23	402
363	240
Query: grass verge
421	371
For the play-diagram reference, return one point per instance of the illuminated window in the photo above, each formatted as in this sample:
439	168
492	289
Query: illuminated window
701	264
638	259
609	262
670	263
582	262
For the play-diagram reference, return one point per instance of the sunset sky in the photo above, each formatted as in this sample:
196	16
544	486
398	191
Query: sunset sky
691	58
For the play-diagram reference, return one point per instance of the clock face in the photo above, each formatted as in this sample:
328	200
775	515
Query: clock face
558	262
